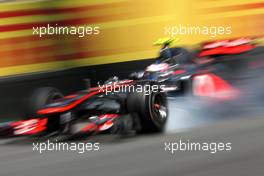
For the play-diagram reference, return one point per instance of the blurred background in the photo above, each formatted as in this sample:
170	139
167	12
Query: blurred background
128	29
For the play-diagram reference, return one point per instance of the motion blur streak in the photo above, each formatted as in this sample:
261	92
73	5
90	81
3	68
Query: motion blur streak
131	20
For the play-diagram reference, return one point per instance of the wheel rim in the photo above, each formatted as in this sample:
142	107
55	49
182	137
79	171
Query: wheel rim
159	110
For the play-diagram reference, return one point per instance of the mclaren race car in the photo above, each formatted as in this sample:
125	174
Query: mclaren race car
115	107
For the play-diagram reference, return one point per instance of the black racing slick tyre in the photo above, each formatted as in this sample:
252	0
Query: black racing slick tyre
151	108
41	97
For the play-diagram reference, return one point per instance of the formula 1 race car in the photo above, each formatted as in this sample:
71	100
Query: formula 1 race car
217	70
115	107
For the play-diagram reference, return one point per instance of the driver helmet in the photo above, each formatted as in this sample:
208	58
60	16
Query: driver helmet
112	80
165	52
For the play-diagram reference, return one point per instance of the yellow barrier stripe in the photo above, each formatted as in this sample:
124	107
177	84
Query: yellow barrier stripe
223	3
59	17
71	3
239	13
132	22
53	53
26	45
53	4
106	25
50	66
14	34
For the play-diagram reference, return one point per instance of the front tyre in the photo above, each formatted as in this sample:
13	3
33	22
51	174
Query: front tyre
151	108
38	100
42	97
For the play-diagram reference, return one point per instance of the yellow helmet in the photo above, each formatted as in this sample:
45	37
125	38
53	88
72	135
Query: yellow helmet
165	41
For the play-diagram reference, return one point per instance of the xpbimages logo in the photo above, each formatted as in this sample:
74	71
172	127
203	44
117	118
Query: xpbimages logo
187	145
130	88
212	31
79	147
80	31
